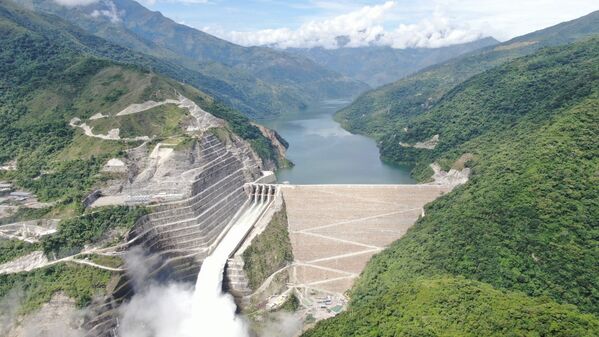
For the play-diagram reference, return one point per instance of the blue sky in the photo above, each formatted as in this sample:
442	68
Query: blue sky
396	23
252	14
400	23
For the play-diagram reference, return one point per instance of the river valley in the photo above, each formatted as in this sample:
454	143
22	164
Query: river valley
324	153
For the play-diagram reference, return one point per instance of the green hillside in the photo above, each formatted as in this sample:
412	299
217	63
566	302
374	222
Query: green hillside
385	109
49	75
514	251
260	82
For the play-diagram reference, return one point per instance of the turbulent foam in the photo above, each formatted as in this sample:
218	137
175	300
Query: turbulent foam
213	312
176	310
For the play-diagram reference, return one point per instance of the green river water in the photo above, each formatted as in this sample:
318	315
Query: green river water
324	153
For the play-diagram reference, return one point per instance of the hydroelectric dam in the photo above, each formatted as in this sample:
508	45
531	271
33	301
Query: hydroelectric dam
204	239
218	219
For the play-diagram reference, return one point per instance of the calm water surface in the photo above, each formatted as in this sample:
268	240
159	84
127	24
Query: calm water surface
324	153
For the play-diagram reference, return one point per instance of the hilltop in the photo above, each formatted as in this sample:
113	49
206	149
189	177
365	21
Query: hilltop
379	65
81	119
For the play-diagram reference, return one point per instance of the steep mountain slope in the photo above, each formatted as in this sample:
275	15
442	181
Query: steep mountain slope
258	81
385	108
496	256
51	73
50	76
381	65
78	126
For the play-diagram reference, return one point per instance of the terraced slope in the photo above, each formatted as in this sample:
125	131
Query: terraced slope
51	77
385	109
512	252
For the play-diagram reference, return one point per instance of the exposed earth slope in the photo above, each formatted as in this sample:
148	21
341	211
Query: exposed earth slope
76	125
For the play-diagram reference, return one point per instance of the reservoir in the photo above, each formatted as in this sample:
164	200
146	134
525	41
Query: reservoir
324	153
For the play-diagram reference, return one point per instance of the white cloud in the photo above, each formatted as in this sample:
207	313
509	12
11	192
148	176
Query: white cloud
510	18
153	2
361	27
72	3
110	11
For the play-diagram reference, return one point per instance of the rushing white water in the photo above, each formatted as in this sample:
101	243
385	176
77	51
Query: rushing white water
213	312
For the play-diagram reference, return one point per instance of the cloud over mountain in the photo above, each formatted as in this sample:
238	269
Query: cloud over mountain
362	27
75	2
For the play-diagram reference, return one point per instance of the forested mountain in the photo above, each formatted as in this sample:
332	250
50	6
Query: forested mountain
378	65
257	81
54	80
385	109
512	252
51	72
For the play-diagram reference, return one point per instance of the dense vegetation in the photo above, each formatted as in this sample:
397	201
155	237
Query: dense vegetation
31	131
74	233
269	251
80	283
24	214
257	81
380	112
243	127
522	93
50	72
446	306
11	249
291	305
513	252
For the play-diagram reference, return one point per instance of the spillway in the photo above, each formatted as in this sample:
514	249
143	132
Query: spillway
214	312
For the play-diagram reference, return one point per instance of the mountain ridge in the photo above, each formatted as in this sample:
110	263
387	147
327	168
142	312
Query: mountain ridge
379	111
511	251
379	65
260	82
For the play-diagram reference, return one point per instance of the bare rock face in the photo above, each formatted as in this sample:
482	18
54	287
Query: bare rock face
275	139
428	144
451	178
115	165
24	263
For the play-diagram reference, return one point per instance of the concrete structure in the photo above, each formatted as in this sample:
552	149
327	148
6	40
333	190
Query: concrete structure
179	235
236	281
335	229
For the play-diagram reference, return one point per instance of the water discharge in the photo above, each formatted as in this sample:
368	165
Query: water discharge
213	312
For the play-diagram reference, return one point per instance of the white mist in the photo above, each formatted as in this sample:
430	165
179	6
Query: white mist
213	312
175	310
